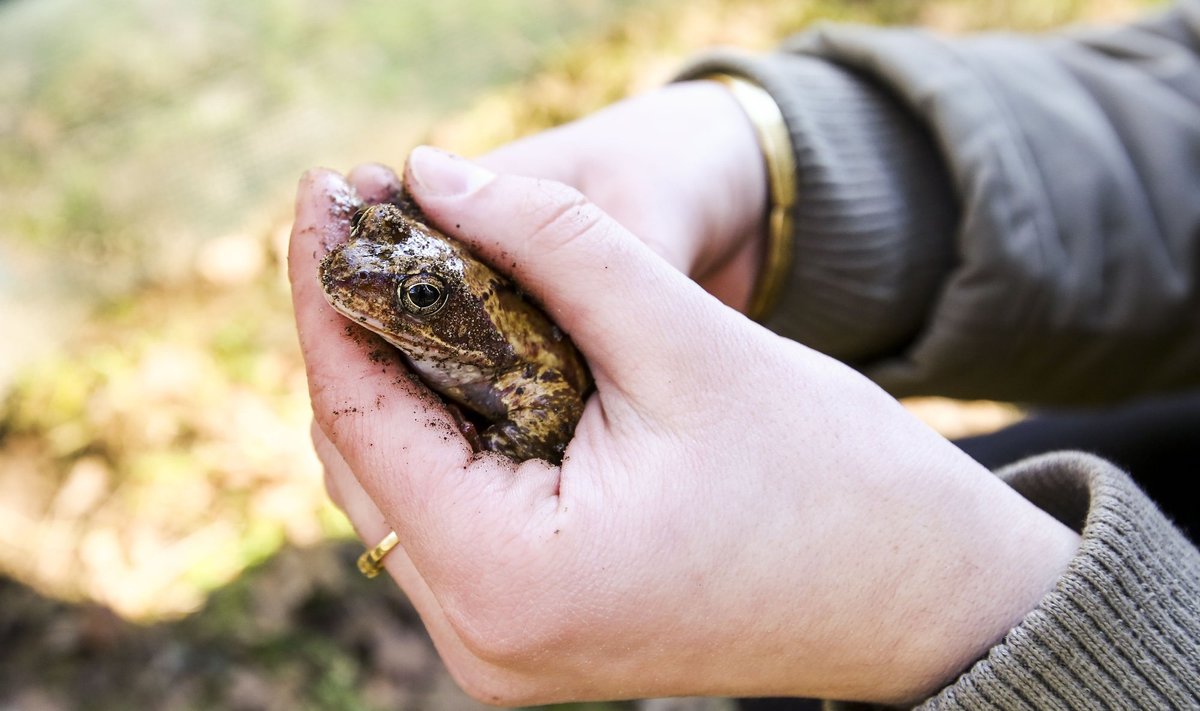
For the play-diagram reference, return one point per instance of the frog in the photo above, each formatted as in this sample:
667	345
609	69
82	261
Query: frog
467	331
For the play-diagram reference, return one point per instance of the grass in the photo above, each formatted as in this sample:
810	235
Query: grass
160	447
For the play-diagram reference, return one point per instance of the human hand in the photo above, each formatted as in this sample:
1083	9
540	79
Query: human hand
679	167
736	514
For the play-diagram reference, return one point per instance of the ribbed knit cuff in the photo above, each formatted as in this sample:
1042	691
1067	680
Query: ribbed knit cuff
1122	627
875	216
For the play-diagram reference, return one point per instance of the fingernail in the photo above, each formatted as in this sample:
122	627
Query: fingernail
440	173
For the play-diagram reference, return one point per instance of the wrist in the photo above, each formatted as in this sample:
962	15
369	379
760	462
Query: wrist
733	200
775	145
998	557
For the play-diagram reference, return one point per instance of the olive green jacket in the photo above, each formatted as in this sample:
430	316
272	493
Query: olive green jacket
1017	218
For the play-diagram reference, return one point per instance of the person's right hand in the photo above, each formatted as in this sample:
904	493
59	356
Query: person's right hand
736	514
679	167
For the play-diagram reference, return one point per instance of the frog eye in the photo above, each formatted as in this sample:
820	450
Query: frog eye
422	294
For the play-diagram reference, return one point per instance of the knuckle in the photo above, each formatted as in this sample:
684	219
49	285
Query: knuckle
489	685
568	218
514	625
505	640
347	427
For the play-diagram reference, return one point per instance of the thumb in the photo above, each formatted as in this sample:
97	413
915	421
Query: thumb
616	297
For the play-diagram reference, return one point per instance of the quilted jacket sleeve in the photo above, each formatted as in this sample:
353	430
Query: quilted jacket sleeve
998	216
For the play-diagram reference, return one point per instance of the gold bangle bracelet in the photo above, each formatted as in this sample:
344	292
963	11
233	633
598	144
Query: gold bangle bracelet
775	143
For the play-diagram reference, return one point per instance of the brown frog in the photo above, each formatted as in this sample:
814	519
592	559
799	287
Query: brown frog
466	330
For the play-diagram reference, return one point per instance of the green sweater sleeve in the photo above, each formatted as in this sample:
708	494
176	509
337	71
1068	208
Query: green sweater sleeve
996	216
1122	627
1120	630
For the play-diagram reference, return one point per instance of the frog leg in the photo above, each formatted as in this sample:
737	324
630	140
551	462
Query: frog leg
467	428
542	410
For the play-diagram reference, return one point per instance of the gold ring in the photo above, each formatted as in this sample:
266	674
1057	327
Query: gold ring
371	562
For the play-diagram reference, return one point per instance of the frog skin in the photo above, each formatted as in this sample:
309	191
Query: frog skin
467	331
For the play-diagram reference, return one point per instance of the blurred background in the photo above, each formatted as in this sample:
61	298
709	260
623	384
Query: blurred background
164	538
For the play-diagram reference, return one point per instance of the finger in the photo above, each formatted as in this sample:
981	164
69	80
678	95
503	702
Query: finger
541	156
363	398
372	526
374	182
536	156
368	521
592	275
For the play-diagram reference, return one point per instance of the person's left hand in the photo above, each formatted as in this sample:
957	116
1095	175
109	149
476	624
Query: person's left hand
678	167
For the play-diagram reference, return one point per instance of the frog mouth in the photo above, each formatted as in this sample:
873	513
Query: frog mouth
369	322
411	346
422	355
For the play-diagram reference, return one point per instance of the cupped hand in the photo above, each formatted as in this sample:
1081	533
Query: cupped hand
736	514
678	166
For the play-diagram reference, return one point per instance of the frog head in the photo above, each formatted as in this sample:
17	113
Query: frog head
419	290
